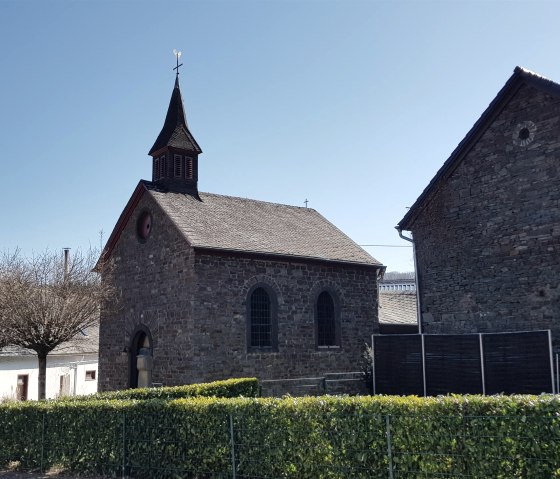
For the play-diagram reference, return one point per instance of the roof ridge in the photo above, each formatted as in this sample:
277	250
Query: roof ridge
527	71
258	201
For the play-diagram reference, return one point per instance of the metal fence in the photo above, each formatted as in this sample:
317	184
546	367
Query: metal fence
331	383
379	448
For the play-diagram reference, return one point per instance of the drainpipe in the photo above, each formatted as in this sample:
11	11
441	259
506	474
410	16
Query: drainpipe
418	309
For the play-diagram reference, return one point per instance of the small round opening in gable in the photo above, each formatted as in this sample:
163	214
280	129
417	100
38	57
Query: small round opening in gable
144	225
524	133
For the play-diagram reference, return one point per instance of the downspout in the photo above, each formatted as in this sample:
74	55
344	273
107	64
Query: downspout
418	309
380	275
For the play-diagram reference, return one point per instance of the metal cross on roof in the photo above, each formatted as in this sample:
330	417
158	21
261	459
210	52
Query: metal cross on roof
306	201
177	56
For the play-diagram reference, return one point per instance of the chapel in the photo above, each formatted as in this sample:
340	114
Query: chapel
213	286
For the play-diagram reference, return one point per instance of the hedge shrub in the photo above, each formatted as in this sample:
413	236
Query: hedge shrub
228	388
501	437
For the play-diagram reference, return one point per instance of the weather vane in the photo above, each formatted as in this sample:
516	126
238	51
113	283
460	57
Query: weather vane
177	56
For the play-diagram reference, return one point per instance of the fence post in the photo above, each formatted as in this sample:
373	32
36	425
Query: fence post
424	365
42	441
389	445
557	376
373	364
554	390
481	346
232	440
124	444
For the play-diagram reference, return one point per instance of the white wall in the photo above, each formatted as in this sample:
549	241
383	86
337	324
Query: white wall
73	367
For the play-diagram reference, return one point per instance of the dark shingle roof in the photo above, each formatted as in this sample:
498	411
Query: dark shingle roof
234	224
175	131
398	276
397	307
520	76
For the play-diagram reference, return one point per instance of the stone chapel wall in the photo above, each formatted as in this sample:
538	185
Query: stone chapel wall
154	282
220	341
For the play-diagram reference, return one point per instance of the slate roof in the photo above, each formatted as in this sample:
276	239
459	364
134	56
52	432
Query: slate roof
398	276
397	307
228	223
175	131
520	76
87	343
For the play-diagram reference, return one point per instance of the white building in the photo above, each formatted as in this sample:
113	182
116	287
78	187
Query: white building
71	369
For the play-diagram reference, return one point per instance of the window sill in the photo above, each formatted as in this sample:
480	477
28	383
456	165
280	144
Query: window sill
261	350
328	348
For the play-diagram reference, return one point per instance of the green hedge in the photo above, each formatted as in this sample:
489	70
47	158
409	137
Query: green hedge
501	437
228	388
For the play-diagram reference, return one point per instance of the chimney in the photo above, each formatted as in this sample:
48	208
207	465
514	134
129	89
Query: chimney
66	254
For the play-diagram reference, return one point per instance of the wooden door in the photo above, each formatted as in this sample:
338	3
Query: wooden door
21	388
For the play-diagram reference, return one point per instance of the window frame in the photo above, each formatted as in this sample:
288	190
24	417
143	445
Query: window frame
337	322
273	320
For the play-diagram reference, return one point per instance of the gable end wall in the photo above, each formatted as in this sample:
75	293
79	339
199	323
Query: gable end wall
154	280
488	242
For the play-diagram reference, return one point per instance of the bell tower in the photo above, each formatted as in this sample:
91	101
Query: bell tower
175	151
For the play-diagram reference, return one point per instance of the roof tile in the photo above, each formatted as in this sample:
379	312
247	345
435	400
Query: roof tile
243	225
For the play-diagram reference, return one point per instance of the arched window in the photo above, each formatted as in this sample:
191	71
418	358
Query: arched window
261	319
140	343
327	334
262	329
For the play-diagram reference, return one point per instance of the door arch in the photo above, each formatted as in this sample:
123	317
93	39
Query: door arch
141	339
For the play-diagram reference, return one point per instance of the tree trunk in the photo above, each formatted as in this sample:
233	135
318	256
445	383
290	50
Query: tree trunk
42	375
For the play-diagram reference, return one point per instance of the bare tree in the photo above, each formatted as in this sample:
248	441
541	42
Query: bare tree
46	301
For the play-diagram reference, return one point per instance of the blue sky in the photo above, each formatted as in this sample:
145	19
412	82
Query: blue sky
353	105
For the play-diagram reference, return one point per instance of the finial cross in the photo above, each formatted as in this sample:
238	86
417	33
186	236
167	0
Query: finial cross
177	56
306	201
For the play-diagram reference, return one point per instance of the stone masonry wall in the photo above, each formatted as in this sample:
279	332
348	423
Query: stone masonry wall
155	283
219	332
194	305
488	242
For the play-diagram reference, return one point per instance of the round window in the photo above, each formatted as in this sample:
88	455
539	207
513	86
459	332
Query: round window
144	225
524	133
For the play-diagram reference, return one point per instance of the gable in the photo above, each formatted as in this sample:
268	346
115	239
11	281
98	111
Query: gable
521	79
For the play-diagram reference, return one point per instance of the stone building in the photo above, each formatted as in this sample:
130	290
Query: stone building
487	227
214	286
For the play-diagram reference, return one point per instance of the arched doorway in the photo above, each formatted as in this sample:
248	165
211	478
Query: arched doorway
141	340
